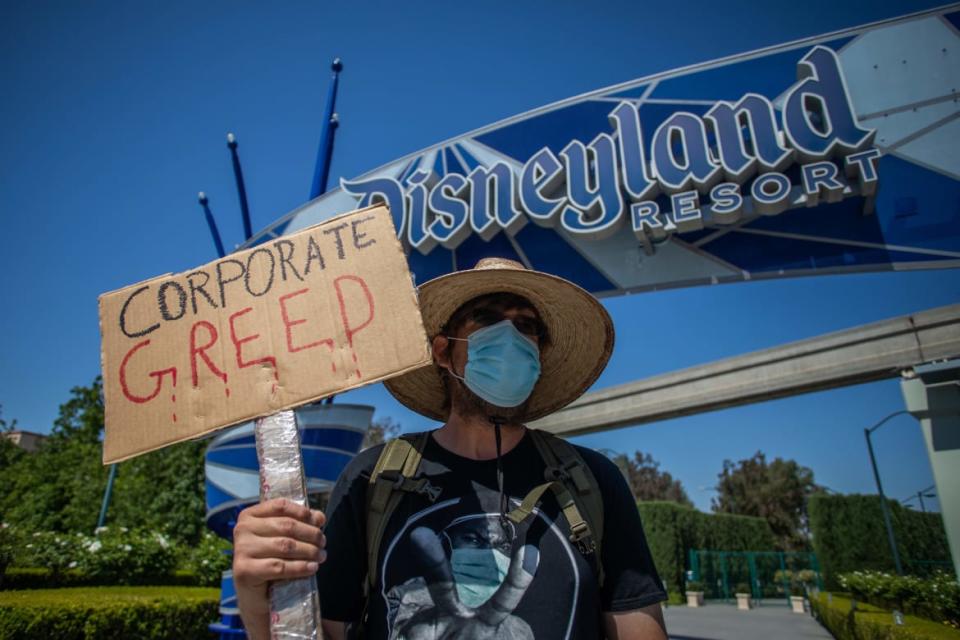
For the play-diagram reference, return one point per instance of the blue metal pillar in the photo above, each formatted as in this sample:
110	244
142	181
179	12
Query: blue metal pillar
241	187
106	496
212	223
325	151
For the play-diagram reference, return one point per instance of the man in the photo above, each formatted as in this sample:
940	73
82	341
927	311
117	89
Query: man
477	548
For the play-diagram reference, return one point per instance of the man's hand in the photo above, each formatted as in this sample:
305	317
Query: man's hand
273	540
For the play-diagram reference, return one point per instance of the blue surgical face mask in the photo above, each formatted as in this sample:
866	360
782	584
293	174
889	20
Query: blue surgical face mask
478	573
503	365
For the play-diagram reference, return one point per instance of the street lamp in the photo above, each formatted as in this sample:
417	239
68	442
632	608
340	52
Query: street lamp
883	499
920	495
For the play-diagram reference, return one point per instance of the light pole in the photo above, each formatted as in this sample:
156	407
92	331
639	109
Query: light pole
920	495
883	499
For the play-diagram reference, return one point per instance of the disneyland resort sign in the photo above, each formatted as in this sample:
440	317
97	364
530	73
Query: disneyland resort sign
714	169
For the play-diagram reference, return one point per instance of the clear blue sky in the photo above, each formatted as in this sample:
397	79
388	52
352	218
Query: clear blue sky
114	114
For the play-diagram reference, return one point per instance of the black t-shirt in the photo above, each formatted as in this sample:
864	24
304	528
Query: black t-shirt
452	563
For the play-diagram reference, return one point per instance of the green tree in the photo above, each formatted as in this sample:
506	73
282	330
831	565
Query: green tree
777	491
61	486
6	427
647	482
381	430
164	491
81	417
53	489
9	452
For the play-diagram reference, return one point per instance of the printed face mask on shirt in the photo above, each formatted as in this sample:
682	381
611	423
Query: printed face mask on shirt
478	573
502	364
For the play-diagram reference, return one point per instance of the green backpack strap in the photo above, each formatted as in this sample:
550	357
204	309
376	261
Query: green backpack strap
576	491
393	475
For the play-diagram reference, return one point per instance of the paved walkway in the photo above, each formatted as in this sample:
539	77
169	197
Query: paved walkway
725	622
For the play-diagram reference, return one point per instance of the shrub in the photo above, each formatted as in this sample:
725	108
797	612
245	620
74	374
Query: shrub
806	578
18	578
208	559
126	557
797	583
672	530
54	551
936	598
39	578
694	585
742	587
872	623
841	524
111	556
6	548
108	612
114	555
665	541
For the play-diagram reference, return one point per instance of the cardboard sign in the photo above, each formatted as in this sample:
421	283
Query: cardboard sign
290	321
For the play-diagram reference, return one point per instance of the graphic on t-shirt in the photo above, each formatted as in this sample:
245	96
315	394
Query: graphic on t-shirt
465	576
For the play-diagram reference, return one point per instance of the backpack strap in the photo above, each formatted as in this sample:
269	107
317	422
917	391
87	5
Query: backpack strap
576	491
393	475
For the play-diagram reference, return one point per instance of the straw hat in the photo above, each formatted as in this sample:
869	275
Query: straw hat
581	334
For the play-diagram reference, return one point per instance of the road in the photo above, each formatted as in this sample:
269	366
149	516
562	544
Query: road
725	622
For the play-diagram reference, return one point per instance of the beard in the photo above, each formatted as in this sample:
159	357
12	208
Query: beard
467	403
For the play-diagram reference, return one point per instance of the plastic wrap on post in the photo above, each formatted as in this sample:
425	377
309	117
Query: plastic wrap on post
294	604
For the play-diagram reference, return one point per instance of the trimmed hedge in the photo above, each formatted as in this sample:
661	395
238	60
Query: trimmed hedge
19	578
872	623
101	613
849	535
672	530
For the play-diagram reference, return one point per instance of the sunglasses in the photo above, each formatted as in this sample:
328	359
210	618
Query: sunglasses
527	325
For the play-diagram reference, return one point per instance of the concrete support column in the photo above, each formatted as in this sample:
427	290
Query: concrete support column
933	397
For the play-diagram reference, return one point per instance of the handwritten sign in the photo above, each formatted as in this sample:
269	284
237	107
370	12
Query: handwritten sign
292	320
